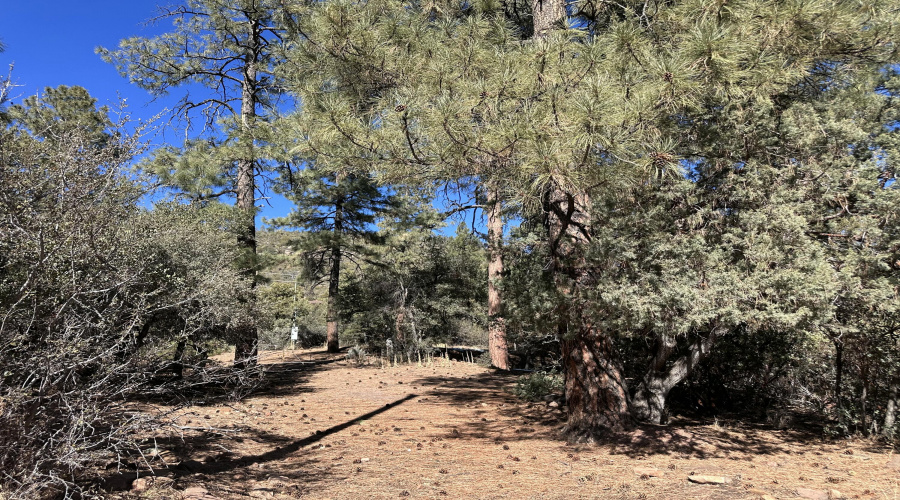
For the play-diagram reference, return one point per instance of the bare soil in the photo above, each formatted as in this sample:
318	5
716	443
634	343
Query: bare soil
325	428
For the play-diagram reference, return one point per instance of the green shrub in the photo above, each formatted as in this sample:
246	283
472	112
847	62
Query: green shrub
535	386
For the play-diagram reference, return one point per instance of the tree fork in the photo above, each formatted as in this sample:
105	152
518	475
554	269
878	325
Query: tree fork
648	401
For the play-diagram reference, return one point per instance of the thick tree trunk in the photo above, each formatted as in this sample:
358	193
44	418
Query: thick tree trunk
648	403
245	352
497	326
331	337
596	394
890	412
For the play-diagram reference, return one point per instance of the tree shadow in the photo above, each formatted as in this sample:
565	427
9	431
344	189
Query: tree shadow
487	395
685	437
219	460
219	383
699	440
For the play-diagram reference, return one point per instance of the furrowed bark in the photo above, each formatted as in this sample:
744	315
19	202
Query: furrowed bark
596	394
497	344
545	13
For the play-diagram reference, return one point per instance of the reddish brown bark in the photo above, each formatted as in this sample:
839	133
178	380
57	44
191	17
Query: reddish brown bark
596	396
595	388
497	345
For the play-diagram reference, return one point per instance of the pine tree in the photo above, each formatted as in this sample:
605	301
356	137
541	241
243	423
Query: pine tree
338	213
229	48
60	112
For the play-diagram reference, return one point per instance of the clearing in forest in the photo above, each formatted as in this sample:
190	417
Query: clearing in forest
324	428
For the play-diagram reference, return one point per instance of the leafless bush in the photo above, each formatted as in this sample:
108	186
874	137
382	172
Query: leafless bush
96	294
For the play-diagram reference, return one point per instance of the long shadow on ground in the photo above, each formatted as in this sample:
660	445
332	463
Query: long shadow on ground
225	462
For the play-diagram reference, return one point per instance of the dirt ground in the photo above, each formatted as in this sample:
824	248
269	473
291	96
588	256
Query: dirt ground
325	428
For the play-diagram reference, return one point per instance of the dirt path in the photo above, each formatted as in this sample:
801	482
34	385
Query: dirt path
328	429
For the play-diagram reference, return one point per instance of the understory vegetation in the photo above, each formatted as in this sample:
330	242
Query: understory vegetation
660	208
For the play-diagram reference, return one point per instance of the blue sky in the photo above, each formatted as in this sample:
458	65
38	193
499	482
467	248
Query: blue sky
52	42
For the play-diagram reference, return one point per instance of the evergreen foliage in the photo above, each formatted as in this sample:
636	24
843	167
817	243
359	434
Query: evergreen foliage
227	48
421	289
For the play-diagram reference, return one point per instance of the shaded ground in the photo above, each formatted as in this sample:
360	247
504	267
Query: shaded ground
324	428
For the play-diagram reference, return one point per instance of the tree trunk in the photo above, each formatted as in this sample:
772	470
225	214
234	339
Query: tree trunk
334	281
864	397
544	14
839	373
890	413
245	351
648	403
497	326
178	358
596	394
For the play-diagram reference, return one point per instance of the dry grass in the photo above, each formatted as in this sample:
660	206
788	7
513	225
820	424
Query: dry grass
452	430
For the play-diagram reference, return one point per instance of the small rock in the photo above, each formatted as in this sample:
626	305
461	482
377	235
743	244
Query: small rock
162	481
279	480
647	471
364	459
812	494
553	404
195	492
262	493
834	494
708	479
141	484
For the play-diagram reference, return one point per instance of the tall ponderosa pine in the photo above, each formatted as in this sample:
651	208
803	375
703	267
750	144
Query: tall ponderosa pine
228	48
339	213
